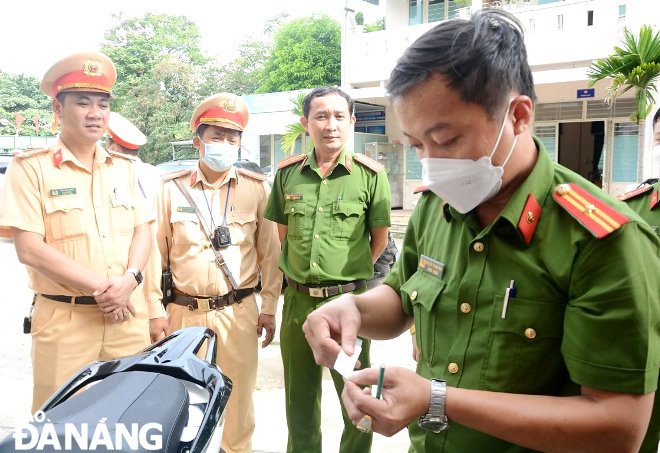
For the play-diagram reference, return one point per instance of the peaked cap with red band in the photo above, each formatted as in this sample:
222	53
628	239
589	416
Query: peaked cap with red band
125	133
83	71
224	110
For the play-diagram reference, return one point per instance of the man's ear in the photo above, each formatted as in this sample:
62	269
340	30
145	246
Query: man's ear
57	107
197	143
522	108
304	123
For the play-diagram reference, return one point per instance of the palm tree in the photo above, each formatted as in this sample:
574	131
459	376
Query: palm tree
634	65
295	130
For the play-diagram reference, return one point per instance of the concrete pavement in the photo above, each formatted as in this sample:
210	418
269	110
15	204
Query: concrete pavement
271	432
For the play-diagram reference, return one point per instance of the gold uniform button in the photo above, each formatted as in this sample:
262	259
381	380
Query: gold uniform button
321	209
413	295
313	264
316	236
466	308
293	209
325	181
478	247
453	368
530	333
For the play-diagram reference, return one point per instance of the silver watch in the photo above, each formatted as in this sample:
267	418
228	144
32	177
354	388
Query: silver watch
436	420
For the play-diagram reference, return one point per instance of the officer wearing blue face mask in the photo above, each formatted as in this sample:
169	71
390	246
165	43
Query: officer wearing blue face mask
212	232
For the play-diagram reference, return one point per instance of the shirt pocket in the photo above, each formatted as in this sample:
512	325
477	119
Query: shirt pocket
186	229
423	291
242	227
346	216
123	211
524	349
64	218
295	211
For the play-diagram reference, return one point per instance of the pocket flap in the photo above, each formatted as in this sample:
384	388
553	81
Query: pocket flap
422	289
64	204
348	208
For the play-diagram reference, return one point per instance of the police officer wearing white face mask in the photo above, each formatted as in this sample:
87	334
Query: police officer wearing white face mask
212	232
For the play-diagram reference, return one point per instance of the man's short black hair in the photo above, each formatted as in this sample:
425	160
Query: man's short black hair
325	91
203	126
483	59
656	117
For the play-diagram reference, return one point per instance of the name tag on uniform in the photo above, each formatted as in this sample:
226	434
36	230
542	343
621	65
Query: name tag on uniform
294	196
62	192
433	267
188	209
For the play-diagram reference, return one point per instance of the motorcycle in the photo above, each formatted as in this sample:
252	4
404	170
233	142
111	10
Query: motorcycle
170	397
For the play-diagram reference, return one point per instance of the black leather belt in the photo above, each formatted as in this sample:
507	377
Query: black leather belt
78	300
212	303
327	291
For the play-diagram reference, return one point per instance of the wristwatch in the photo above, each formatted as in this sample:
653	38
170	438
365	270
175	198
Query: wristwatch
136	273
436	420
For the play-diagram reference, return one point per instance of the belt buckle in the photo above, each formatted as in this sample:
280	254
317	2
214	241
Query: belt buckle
204	304
317	292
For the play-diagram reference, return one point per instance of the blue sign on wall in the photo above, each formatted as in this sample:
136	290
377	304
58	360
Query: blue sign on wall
586	93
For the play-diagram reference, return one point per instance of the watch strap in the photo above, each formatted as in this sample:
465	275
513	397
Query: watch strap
136	273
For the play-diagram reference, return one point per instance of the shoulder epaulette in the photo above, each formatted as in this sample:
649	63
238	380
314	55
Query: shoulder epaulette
592	213
368	162
290	161
420	189
175	174
123	156
634	193
30	152
251	174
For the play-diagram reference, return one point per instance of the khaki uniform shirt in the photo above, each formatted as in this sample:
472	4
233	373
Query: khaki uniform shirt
254	248
582	313
329	218
88	216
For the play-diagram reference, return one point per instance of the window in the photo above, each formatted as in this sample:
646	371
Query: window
590	18
415	12
436	10
622	13
560	21
532	25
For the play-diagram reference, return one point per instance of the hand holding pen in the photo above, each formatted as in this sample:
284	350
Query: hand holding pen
404	397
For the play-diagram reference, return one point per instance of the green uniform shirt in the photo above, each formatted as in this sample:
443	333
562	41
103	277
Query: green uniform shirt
329	218
648	206
580	315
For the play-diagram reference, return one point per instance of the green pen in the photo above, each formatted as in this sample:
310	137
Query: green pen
381	376
364	424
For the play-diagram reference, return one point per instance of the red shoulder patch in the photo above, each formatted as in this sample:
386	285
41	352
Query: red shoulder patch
175	174
368	162
655	200
251	174
592	213
529	218
634	193
290	161
30	152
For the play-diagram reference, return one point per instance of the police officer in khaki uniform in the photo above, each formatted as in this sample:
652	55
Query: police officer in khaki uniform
332	207
529	287
81	228
215	274
125	138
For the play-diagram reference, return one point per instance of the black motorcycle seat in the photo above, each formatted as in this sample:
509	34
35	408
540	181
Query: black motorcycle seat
132	399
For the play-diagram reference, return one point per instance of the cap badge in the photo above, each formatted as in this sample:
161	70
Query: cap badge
230	105
92	68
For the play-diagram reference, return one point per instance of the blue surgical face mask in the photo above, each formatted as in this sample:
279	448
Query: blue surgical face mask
219	156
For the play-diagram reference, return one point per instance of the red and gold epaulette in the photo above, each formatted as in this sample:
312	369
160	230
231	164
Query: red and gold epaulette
595	215
123	156
175	174
30	152
291	160
634	193
529	218
368	162
251	174
420	189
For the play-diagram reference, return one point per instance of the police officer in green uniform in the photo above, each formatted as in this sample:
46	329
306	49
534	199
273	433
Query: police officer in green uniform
528	287
645	200
332	208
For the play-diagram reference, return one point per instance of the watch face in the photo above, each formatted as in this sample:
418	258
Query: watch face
433	424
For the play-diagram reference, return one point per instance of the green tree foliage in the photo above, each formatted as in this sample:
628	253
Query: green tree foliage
21	93
306	53
137	45
242	75
633	65
295	131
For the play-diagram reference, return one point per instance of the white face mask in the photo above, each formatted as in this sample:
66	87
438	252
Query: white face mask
219	156
465	183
